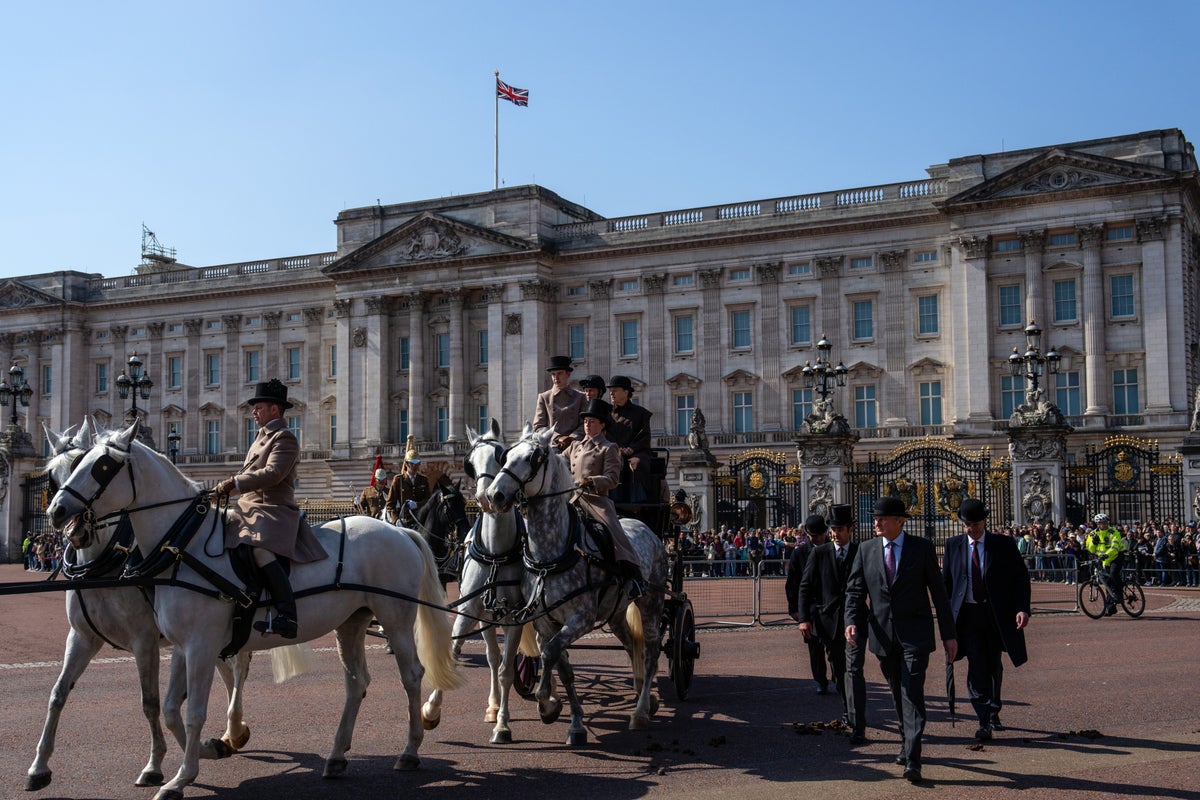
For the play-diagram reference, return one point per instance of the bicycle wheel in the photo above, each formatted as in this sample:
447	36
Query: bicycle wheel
1133	599
1091	598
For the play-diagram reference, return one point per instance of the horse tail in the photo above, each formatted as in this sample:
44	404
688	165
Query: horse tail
434	628
529	647
291	660
637	635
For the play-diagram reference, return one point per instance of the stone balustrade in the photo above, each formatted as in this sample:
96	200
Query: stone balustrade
102	286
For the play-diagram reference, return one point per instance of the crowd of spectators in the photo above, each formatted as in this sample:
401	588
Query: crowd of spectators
42	551
1167	553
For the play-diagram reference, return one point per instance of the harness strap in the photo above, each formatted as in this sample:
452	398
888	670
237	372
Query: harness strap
224	586
337	576
91	624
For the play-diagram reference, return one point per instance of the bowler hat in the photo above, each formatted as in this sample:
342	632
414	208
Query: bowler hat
560	362
592	382
890	507
972	510
597	409
273	391
843	515
815	525
621	382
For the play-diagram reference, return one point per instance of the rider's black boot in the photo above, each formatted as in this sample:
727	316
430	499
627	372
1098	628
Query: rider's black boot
284	622
632	574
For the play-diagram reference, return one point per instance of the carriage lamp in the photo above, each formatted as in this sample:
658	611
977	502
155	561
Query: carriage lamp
17	390
173	445
1033	364
135	382
823	375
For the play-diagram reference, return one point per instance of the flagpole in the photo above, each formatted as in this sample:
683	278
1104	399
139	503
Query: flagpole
496	159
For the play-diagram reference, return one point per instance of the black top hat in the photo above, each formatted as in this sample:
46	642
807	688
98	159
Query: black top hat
560	362
815	525
890	507
972	510
592	382
621	382
842	515
597	409
273	391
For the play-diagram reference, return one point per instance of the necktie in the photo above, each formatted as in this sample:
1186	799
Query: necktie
841	554
889	562
977	586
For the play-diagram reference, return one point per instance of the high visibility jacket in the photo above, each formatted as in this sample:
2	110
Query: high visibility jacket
1106	544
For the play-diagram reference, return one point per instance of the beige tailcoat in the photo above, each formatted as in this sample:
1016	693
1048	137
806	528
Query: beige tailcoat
599	459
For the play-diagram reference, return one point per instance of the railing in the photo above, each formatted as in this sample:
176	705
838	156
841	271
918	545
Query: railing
830	202
218	272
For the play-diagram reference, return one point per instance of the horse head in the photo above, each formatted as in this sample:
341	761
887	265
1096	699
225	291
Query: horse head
67	449
528	469
483	460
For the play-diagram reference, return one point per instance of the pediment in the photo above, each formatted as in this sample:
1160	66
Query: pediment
864	368
684	380
741	378
14	294
1055	171
211	409
926	366
428	237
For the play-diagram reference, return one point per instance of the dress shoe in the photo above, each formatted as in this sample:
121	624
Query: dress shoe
857	739
984	734
912	773
994	723
902	759
823	688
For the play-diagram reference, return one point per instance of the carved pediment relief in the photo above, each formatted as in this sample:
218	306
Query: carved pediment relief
14	294
1059	170
926	366
172	411
794	375
684	381
211	410
740	378
863	369
427	237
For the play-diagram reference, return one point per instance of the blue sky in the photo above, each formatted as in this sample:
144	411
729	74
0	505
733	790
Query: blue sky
238	130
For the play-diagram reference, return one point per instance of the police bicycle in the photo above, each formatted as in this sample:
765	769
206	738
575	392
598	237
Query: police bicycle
1094	592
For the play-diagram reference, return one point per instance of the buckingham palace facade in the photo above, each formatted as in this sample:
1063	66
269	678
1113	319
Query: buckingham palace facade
438	314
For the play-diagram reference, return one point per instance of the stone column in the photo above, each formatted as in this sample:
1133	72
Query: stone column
376	376
33	376
156	368
231	383
537	298
345	385
1162	309
497	368
1094	315
271	351
1033	244
193	383
896	329
968	295
769	339
416	365
314	380
599	348
712	317
656	350
1038	454
459	357
830	307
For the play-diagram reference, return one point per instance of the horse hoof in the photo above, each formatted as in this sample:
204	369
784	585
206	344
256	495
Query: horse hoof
149	778
239	741
169	794
429	724
35	782
501	737
576	738
550	714
653	704
490	715
639	722
334	768
218	747
407	763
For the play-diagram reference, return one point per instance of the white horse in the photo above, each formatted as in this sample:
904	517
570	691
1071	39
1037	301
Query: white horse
567	584
490	586
123	618
376	571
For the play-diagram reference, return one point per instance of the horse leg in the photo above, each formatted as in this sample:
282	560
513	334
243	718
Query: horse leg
79	653
411	673
198	670
352	651
145	655
554	658
503	674
172	702
431	712
492	645
628	629
237	733
576	732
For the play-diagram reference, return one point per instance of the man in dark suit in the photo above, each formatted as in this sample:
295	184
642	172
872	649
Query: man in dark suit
821	613
988	584
897	575
800	608
630	429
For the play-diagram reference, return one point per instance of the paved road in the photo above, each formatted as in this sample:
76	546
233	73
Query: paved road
1130	680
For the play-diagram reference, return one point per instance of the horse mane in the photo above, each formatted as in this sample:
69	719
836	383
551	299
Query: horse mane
144	449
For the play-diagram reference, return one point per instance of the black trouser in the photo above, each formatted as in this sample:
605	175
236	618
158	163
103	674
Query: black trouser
979	640
856	703
904	668
816	661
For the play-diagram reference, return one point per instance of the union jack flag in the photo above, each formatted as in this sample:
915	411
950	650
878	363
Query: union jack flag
518	97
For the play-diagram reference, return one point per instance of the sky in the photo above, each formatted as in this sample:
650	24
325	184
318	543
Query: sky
237	131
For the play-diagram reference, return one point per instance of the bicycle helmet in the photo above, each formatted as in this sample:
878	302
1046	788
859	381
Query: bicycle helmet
1100	519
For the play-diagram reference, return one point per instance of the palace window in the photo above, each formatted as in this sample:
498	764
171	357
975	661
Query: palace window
1011	313
443	423
1125	391
802	405
174	372
926	257
864	320
743	412
1012	394
685	340
1007	246
801	325
482	344
405	352
576	341
101	378
1062	239
739	323
927	314
629	338
1064	301
1121	288
685	408
212	437
212	369
1120	234
865	412
862	263
1066	393
292	356
252	360
931	402
441	349
803	268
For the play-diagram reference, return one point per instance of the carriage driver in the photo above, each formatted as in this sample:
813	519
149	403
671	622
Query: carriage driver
558	407
596	467
266	516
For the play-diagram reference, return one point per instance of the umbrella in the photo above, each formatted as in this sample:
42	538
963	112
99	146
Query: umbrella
950	689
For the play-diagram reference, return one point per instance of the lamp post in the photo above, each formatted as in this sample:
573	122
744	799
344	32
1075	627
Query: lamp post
16	390
173	445
822	376
135	382
1033	364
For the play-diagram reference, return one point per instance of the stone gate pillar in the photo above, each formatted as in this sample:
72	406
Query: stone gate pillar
1039	455
825	459
696	467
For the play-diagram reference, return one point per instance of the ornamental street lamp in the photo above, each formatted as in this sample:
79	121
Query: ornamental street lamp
822	376
173	445
135	383
1032	364
16	390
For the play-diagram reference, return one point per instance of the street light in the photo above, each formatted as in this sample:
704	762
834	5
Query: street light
823	375
173	445
1032	365
16	389
134	383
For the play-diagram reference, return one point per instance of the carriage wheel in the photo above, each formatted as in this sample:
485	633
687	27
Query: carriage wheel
528	669
682	649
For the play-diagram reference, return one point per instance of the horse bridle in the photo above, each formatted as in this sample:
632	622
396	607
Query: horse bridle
537	461
103	472
499	453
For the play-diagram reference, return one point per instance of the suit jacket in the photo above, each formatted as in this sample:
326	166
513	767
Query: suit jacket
796	564
560	411
1006	578
899	615
266	514
823	590
630	427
